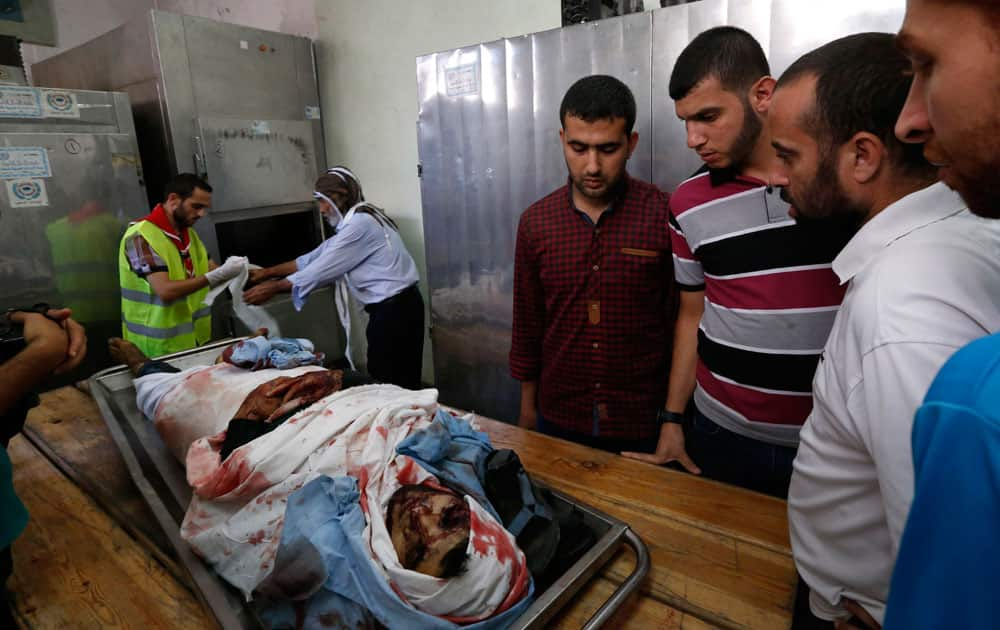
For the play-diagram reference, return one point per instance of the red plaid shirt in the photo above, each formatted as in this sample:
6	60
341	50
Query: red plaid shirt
594	311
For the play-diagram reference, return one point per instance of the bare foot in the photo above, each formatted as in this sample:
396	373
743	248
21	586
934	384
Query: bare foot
126	352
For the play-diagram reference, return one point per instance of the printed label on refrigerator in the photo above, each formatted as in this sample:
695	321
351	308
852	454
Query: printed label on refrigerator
59	104
27	193
19	102
24	162
462	80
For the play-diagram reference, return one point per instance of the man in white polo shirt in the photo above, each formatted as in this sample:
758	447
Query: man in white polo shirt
916	271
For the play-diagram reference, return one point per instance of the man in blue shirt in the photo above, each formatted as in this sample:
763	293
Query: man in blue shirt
950	548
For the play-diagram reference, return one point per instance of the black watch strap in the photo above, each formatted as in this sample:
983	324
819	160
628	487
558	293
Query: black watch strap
671	417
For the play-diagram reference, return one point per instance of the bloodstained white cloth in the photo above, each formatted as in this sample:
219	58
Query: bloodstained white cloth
236	516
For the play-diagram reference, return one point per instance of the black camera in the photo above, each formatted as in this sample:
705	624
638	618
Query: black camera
12	333
11	340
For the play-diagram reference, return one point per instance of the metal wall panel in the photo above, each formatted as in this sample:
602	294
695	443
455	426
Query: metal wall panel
488	142
258	163
489	147
180	69
786	29
64	251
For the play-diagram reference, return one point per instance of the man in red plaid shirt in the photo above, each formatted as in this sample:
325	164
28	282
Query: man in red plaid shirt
594	300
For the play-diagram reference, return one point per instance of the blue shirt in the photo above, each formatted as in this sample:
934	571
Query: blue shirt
369	255
950	550
13	516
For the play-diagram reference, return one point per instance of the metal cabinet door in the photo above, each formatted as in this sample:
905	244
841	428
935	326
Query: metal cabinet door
255	163
94	190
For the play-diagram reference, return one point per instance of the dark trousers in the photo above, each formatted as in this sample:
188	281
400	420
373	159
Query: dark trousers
396	339
155	366
612	445
731	458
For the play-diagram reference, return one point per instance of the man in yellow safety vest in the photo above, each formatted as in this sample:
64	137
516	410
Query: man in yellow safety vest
165	273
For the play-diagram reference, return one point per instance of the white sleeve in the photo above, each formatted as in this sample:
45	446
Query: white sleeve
896	379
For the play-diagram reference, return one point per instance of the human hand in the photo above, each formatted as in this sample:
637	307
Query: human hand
44	339
77	339
257	276
227	271
861	619
262	292
669	448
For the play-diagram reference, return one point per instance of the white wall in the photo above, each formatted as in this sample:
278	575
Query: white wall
366	55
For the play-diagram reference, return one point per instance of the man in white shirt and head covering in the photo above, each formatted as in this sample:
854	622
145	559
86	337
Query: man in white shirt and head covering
916	269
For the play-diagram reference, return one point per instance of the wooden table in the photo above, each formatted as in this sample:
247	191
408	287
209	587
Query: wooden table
93	556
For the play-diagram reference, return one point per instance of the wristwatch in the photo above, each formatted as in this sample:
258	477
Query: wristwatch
672	417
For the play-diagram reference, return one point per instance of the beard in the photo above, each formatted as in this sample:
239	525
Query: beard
978	184
824	209
744	144
971	158
185	217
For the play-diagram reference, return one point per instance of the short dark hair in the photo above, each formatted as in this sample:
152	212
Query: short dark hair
183	185
599	97
861	85
727	53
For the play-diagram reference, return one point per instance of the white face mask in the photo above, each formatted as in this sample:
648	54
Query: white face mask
335	216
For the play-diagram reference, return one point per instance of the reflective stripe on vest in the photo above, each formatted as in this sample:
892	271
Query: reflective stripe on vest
157	327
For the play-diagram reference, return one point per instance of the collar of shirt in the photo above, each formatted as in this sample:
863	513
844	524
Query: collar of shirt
914	211
619	194
159	218
720	176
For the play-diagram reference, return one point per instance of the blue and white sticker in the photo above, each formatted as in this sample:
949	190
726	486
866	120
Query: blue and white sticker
260	128
19	102
24	162
312	112
59	104
27	193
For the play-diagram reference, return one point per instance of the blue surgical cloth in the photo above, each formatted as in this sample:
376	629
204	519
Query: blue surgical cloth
282	353
323	534
455	453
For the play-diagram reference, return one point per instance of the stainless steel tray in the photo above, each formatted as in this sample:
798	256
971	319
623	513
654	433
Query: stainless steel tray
162	482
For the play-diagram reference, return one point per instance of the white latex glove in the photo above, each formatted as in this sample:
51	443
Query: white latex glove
227	271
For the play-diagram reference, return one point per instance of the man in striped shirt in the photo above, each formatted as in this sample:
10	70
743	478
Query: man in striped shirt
758	296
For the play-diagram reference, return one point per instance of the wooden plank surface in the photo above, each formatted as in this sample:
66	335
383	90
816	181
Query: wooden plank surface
69	425
718	552
637	612
720	555
76	568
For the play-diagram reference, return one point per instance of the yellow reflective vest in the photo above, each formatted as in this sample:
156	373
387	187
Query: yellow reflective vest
156	327
84	270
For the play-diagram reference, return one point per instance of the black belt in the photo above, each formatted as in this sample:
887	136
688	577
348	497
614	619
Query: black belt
391	300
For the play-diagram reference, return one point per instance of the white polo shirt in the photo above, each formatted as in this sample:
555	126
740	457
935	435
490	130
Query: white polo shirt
924	280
